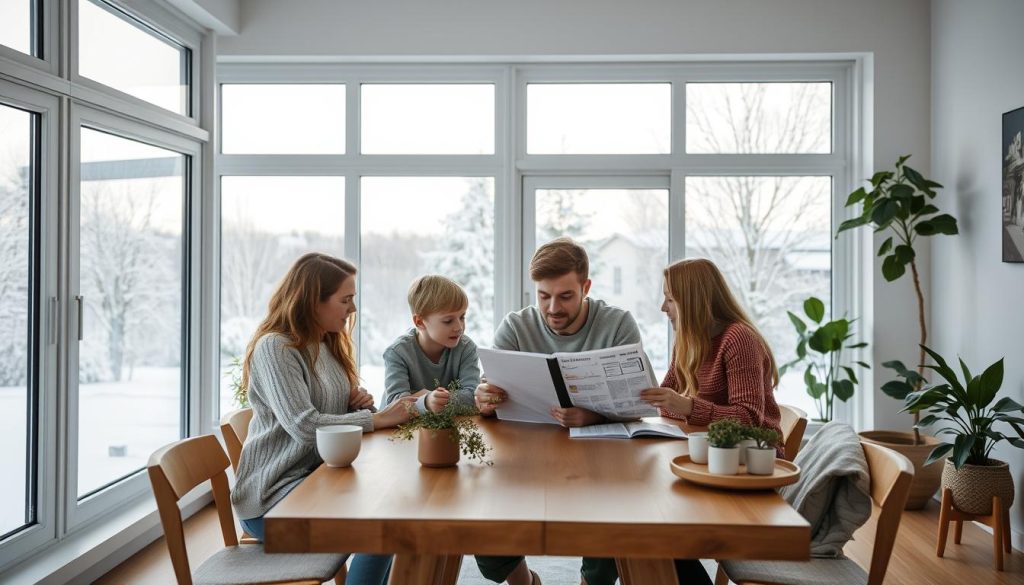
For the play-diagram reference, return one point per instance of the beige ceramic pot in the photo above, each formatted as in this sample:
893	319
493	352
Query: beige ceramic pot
437	449
973	486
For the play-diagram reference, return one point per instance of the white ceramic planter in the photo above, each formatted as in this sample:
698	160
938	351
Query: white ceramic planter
760	461
724	461
744	445
698	444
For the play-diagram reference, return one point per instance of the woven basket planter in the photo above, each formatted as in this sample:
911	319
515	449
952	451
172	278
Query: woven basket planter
974	485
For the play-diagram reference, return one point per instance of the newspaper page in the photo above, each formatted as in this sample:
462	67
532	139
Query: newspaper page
609	381
526	378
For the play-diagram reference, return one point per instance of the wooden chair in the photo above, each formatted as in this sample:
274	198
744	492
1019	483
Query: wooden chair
891	474
794	423
176	469
234	426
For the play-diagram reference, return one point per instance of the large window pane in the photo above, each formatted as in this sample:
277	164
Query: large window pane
121	52
262	234
427	119
413	226
605	118
771	238
129	370
18	27
758	118
625	232
283	119
16	290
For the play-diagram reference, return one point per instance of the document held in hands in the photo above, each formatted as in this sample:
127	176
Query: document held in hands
627	430
606	381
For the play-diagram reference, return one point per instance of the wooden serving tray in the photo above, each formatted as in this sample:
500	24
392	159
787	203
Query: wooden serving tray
785	473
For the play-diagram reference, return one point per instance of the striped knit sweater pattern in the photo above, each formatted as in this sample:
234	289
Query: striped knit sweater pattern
289	402
734	382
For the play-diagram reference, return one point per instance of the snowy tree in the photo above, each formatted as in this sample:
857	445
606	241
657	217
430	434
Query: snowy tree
466	255
14	275
559	214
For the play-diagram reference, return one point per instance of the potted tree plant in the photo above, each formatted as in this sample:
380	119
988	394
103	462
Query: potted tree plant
969	472
826	376
724	438
761	456
446	435
899	202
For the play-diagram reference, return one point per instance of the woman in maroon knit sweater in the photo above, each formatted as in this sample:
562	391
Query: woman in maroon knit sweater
721	365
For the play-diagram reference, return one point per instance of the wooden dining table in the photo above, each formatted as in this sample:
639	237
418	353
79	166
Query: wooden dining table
545	494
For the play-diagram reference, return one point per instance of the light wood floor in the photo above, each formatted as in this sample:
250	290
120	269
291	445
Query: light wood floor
913	560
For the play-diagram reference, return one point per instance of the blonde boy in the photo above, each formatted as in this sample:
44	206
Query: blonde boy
425	359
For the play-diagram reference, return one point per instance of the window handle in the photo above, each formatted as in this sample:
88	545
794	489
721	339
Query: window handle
80	301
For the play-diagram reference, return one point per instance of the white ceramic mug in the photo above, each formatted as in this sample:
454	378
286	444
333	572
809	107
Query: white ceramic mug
338	445
698	443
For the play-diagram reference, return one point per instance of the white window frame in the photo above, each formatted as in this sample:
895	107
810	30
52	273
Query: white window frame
517	172
47	297
31	65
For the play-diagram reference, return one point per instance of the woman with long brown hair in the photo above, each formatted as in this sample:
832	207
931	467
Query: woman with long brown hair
721	366
299	374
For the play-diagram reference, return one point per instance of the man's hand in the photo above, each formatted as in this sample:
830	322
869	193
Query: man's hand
576	417
360	399
668	399
487	397
437	399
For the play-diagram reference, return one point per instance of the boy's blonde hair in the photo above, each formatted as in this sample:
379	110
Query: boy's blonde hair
436	294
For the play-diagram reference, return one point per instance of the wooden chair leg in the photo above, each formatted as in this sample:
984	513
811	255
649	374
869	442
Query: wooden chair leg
997	530
720	577
958	531
944	511
339	579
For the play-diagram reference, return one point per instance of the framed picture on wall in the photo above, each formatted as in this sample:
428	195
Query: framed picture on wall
1013	186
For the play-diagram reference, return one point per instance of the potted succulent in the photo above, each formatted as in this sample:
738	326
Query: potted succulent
820	346
761	456
969	472
446	435
724	438
900	202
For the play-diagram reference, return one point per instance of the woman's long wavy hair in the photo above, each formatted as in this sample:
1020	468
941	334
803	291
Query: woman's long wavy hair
292	312
702	298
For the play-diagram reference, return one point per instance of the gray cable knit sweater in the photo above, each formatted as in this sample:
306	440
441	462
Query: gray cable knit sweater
288	403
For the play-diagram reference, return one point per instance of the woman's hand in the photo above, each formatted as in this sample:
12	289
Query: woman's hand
396	413
668	399
437	399
360	399
487	397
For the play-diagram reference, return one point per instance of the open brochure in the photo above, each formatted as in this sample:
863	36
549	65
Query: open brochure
627	430
606	381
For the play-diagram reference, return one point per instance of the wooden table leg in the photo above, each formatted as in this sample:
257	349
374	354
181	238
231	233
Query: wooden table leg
647	571
452	567
417	569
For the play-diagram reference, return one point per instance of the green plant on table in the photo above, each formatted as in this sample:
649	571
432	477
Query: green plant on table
455	417
764	437
726	433
968	407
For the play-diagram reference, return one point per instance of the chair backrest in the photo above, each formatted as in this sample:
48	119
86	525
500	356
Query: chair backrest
891	475
176	469
234	426
794	423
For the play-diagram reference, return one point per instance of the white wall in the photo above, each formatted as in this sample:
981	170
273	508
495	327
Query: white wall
978	308
896	33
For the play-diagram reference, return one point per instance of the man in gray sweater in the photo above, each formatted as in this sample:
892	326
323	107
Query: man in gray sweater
564	319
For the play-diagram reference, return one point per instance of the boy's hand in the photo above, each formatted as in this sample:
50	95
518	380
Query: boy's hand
360	399
487	397
437	399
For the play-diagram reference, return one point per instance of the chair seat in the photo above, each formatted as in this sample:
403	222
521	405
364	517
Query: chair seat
248	563
813	572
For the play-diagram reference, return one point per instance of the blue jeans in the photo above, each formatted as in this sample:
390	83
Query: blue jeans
364	570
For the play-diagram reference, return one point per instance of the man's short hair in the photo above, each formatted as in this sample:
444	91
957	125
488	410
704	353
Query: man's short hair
436	294
558	258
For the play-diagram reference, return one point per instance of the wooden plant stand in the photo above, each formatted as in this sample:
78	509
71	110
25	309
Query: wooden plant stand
999	520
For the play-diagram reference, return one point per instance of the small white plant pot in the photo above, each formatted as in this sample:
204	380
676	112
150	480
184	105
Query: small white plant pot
744	445
698	444
760	461
724	461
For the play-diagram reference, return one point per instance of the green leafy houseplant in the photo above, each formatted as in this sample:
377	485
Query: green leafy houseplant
726	433
454	417
900	202
968	407
821	348
765	438
234	376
